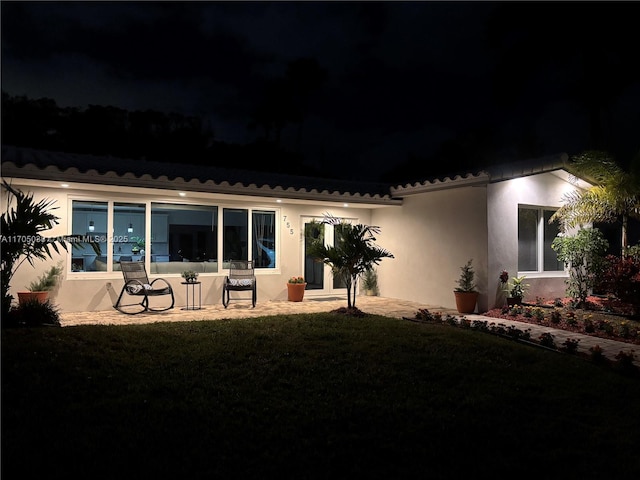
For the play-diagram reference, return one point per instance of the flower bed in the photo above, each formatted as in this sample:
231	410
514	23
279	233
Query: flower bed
603	317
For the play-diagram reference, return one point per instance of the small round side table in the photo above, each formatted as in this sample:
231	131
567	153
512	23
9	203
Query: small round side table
193	295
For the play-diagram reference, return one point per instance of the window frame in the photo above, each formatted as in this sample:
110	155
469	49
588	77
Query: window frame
149	202
540	244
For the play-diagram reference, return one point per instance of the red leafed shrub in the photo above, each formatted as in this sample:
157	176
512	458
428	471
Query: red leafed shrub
621	277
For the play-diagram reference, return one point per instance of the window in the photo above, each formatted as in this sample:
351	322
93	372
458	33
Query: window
264	238
89	221
178	234
129	242
184	233
235	234
535	235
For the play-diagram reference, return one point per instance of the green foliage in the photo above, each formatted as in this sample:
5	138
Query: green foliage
583	254
353	253
516	288
370	280
22	225
466	282
32	313
138	242
190	275
621	277
48	280
615	195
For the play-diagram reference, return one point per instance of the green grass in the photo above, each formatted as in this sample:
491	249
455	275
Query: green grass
308	396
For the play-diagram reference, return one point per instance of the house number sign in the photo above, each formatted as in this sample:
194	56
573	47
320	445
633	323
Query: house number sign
287	224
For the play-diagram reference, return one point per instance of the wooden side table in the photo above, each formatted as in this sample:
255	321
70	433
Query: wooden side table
193	295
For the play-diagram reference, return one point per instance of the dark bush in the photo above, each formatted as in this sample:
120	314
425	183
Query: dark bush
621	277
32	314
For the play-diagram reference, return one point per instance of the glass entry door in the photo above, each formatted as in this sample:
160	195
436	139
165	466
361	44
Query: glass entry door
318	276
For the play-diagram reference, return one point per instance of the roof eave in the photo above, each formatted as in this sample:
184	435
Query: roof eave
91	176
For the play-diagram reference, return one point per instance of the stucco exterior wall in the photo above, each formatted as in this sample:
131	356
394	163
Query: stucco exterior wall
431	236
434	235
95	291
503	198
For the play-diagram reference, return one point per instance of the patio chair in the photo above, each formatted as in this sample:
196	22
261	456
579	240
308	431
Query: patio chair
241	278
137	285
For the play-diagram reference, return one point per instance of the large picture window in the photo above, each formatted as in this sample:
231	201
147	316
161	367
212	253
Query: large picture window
184	233
179	237
535	235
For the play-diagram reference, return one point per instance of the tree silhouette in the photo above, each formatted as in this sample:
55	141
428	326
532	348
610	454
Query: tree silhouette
582	51
286	100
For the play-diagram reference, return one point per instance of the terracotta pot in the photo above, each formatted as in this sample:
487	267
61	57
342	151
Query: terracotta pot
24	297
511	301
466	301
295	291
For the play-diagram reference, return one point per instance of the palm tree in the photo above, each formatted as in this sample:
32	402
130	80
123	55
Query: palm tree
353	254
615	194
22	225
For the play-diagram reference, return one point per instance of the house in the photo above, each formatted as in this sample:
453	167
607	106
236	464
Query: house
178	217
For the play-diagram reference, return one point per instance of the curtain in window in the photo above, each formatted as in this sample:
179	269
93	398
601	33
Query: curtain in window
264	251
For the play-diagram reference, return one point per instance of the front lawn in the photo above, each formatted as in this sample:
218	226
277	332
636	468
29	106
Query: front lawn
307	397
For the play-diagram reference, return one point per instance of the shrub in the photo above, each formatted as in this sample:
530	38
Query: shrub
588	325
547	340
597	355
570	345
47	281
538	313
583	254
621	277
32	314
624	361
466	282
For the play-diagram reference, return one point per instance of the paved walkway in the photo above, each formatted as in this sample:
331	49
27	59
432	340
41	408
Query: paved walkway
389	307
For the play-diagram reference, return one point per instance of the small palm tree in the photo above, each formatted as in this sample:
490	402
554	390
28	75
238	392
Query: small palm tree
22	225
353	254
614	196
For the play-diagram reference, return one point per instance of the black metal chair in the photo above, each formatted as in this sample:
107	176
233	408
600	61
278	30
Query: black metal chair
241	278
137	284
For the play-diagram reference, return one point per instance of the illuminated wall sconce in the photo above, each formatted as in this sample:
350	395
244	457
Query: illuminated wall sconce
92	226
130	228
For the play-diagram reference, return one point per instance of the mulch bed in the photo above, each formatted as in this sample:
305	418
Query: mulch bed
608	318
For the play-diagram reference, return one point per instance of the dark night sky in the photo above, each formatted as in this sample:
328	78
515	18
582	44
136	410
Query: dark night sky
402	77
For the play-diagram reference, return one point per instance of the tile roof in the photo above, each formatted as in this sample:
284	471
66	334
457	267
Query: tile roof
40	164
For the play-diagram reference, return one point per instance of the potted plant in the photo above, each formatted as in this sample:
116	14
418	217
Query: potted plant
39	289
516	289
466	292
295	289
138	245
370	282
190	276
